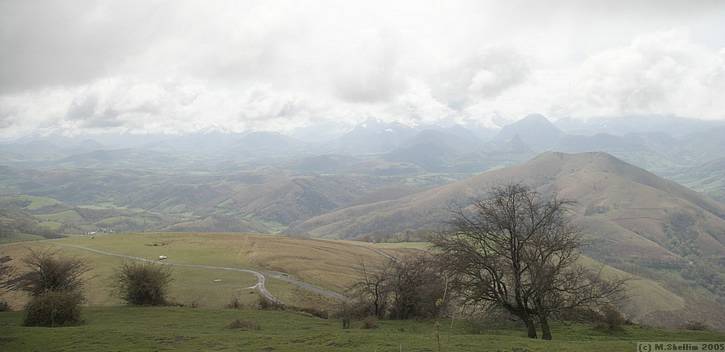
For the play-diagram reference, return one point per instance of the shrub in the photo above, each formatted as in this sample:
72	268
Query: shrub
195	303
234	303
696	326
4	306
267	304
370	322
581	314
143	284
54	308
49	272
611	319
247	325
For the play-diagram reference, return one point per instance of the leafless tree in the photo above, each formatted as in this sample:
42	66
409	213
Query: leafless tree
49	271
416	287
518	251
373	288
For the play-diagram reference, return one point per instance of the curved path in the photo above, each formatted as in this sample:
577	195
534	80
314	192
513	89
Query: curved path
261	279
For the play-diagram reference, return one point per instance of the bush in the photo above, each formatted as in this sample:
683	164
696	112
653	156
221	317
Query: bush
143	284
696	326
247	325
54	308
4	306
235	303
195	303
370	322
267	304
581	315
49	272
611	319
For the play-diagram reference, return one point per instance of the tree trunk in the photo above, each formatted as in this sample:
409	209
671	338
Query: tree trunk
545	329
530	327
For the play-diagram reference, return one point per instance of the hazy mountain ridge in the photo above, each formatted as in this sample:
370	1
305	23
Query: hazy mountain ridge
634	220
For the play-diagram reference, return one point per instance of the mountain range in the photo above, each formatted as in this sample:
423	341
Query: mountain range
383	181
632	219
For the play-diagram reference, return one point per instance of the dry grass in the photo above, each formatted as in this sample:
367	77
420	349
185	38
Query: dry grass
329	264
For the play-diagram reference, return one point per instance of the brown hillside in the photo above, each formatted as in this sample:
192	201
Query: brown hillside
626	207
634	220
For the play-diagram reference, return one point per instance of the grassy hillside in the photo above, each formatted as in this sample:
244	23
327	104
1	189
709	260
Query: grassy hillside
265	200
635	221
186	329
328	264
708	178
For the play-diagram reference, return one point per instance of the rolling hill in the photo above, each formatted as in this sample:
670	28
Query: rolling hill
634	220
708	178
604	187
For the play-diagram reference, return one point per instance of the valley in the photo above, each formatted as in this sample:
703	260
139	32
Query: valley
306	220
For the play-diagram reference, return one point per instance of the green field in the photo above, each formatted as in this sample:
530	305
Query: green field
331	264
328	264
187	329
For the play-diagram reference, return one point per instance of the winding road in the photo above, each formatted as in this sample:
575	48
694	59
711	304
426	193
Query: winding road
261	278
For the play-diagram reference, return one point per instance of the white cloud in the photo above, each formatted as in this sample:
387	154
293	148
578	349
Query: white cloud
660	73
486	74
181	66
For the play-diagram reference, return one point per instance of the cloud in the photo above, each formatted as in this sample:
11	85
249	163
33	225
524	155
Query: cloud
372	76
659	73
180	66
485	75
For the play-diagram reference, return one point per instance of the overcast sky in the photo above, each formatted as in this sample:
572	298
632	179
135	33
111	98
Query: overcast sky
180	66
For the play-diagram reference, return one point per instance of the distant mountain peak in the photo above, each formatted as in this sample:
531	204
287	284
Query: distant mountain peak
534	130
539	118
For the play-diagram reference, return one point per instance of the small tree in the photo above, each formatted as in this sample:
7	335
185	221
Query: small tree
55	283
518	251
54	308
143	283
416	287
50	272
373	289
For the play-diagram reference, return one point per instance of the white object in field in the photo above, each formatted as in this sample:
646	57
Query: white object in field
162	257
217	280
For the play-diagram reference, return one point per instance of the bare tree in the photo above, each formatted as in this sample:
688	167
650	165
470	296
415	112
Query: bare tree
50	272
558	281
518	251
416	287
373	288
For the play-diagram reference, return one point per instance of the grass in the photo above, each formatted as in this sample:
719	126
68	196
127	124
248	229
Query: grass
19	238
35	202
329	264
66	216
187	329
190	285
